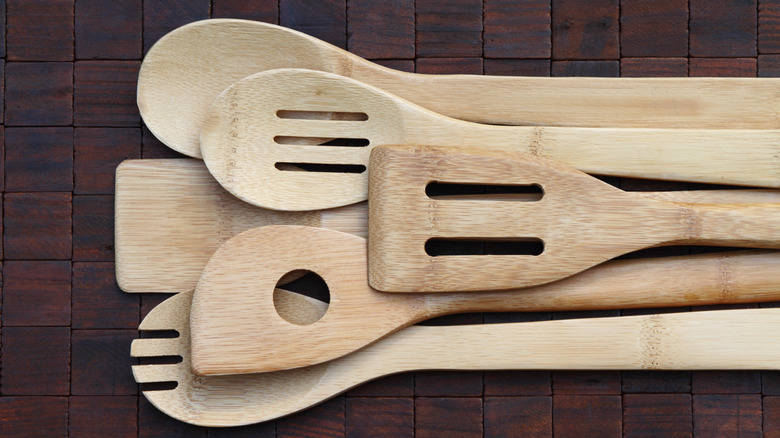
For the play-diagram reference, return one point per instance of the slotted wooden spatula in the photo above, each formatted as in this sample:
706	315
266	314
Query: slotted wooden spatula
419	243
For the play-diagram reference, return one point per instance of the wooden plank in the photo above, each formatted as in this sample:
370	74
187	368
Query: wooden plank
727	415
586	68
771	417
768	27
768	66
392	23
39	416
725	382
518	416
586	382
725	67
449	384
108	30
39	30
517	67
726	28
38	94
323	19
449	28
584	29
39	159
654	415
653	28
93	228
263	10
100	363
464	417
98	151
37	226
656	381
36	361
36	293
152	423
97	415
104	93
654	67
517	383
517	29
584	416
97	302
324	420
472	66
380	417
163	16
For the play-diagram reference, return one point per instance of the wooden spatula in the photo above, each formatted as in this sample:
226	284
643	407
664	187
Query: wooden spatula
725	339
419	243
236	297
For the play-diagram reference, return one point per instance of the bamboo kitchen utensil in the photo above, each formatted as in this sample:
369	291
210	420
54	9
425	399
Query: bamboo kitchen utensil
577	222
187	68
171	215
725	339
265	123
235	298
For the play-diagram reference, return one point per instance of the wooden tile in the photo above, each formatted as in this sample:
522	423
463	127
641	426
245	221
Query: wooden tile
586	68
723	29
654	67
768	66
584	29
725	67
98	152
768	26
97	301
726	382
770	382
104	93
449	384
449	28
37	226
96	415
36	361
771	417
263	10
39	416
654	28
656	381
727	415
152	423
100	362
471	66
380	417
518	416
517	29
323	19
154	148
108	30
93	228
517	67
397	385
36	293
513	383
654	415
39	159
464	417
38	93
39	30
392	23
582	416
586	382
324	420
3	23
163	16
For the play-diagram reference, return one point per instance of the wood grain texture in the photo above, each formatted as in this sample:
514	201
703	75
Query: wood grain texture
36	293
449	29
37	226
89	415
724	415
768	27
39	30
465	416
587	416
464	66
93	230
97	302
325	19
38	94
652	415
108	30
654	67
510	416
723	67
42	415
517	67
162	16
393	23
651	28
264	10
517	30
104	93
36	361
580	32
98	152
386	417
39	159
726	29
100	363
517	383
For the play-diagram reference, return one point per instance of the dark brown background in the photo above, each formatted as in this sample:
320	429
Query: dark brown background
69	72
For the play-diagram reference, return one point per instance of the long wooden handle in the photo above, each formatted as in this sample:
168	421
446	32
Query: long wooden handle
726	278
745	225
726	339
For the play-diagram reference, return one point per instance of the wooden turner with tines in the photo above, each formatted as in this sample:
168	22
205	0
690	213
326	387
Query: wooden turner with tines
419	242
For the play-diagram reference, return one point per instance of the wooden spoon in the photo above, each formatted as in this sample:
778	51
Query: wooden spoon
266	122
725	339
577	222
171	215
187	68
235	298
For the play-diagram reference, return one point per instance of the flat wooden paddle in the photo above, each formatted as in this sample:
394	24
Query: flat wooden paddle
236	299
264	125
577	222
186	69
711	340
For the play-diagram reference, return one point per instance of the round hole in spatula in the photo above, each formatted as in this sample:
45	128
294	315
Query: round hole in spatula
304	298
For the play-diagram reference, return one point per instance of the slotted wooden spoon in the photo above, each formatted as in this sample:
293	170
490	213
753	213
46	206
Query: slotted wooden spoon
726	339
265	123
578	221
186	69
235	298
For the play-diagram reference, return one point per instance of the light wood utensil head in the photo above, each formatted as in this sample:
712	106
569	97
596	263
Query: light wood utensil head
577	222
728	339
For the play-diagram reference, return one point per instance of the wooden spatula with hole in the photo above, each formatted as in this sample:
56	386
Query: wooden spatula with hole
577	222
186	69
725	339
171	215
235	299
264	125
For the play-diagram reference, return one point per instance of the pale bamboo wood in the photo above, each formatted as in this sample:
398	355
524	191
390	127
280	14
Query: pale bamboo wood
727	339
187	68
171	215
243	140
234	299
581	220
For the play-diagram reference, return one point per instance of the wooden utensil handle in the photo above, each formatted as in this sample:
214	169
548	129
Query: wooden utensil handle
725	339
746	225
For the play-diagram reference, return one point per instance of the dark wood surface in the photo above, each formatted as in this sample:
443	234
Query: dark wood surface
69	72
